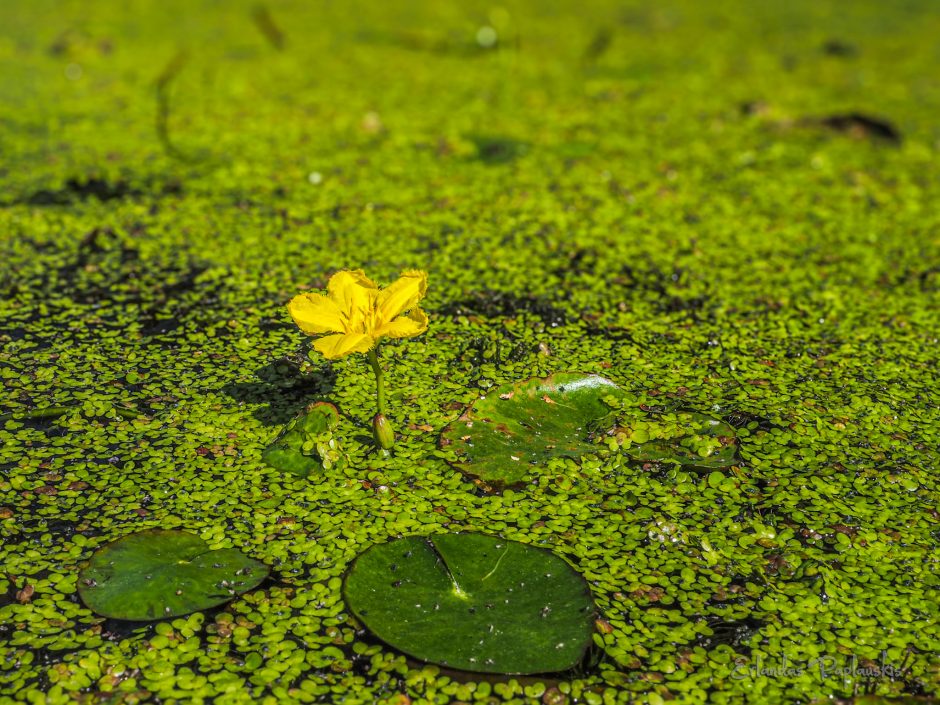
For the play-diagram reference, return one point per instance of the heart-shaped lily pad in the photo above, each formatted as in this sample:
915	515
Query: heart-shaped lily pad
473	602
501	436
306	443
156	574
687	438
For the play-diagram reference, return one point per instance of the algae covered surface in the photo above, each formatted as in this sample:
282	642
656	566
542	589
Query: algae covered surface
726	208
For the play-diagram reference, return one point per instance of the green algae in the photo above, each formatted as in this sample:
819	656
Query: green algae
666	208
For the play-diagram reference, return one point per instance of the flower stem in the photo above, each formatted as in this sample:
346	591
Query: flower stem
379	379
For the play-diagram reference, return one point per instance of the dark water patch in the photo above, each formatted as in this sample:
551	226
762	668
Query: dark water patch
159	319
614	333
679	304
79	189
274	324
579	262
184	283
160	327
285	389
746	419
98	241
500	304
107	268
859	126
60	528
927	279
72	41
735	633
496	149
480	350
160	296
660	286
121	629
839	48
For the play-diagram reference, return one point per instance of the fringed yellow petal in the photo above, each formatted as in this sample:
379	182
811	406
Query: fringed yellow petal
408	326
336	346
355	294
315	313
346	277
402	295
360	313
354	286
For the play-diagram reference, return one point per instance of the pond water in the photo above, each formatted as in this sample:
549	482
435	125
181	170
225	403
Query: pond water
726	210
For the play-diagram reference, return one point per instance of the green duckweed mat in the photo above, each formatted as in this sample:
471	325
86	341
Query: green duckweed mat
727	208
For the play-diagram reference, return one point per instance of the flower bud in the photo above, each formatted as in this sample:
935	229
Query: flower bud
382	432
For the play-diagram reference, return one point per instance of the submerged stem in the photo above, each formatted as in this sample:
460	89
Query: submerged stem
379	379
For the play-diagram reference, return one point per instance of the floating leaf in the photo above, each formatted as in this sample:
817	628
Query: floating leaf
696	441
473	602
501	436
306	443
155	574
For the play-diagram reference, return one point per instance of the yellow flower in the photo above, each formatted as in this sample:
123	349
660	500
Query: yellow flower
358	312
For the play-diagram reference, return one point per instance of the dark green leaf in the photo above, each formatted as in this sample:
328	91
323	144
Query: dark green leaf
501	437
473	602
156	574
306	443
701	442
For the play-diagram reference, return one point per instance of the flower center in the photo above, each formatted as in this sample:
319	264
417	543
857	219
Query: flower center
363	319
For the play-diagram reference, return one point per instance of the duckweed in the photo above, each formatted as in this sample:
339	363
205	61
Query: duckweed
669	195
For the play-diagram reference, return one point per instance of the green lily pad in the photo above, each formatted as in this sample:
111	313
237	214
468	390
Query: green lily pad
473	602
306	443
156	574
691	439
501	436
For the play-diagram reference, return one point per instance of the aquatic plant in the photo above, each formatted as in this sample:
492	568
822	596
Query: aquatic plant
474	602
358	314
156	574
